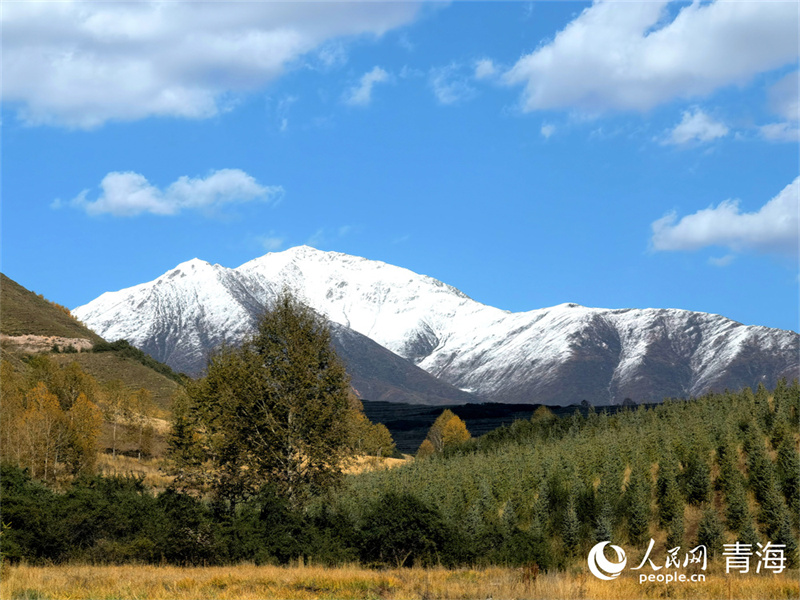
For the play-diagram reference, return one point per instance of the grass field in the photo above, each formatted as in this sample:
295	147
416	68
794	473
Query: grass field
250	582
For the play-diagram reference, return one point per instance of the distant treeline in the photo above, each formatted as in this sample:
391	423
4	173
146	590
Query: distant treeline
711	470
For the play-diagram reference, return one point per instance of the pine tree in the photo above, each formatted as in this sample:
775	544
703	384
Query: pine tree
763	411
697	480
510	519
185	452
602	529
788	474
737	513
638	505
710	532
668	496
675	531
570	530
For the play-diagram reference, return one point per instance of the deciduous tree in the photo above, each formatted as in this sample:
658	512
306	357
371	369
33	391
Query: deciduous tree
275	409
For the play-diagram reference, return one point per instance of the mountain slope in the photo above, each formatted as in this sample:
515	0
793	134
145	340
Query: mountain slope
24	313
557	355
29	324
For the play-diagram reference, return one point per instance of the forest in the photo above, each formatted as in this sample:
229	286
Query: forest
709	470
256	466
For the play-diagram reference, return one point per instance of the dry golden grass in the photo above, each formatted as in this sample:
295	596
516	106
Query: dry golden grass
249	582
360	464
108	465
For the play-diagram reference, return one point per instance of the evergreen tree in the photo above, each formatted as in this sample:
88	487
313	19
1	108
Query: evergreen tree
737	512
782	534
570	530
675	531
710	532
697	479
668	496
763	411
185	452
788	474
510	519
638	505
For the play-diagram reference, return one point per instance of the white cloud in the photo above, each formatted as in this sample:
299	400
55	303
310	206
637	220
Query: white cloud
450	85
780	132
485	69
547	130
80	64
361	94
696	126
772	229
130	194
784	97
332	55
632	56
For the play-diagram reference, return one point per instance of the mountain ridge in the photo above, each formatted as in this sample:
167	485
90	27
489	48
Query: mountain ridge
557	355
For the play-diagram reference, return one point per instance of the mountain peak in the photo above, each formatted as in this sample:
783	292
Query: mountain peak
194	263
559	355
190	268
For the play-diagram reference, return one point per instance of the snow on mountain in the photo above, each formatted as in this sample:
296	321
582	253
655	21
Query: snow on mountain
557	355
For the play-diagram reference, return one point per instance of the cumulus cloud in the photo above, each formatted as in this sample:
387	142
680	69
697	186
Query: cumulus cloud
129	194
361	94
772	229
80	64
450	85
696	126
633	56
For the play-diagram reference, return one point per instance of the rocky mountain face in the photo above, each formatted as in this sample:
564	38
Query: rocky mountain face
410	338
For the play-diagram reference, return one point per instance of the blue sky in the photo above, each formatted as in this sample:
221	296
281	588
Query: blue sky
612	154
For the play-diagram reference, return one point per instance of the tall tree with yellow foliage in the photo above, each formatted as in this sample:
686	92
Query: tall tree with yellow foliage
448	430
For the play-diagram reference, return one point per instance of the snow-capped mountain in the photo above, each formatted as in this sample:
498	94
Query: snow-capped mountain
559	355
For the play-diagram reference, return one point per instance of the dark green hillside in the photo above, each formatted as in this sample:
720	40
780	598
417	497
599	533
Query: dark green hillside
711	470
24	313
